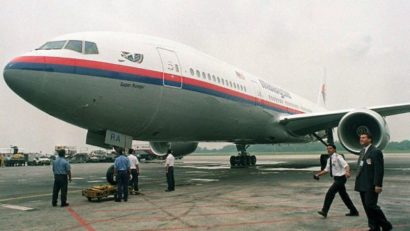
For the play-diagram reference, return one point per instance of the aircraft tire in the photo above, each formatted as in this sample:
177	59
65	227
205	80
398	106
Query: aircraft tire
110	175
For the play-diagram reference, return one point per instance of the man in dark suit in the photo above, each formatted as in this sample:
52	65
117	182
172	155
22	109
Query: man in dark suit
369	182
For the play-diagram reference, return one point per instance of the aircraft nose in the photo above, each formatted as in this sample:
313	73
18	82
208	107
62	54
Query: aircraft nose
10	76
22	79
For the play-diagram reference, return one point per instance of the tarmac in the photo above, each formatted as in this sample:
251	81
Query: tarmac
278	194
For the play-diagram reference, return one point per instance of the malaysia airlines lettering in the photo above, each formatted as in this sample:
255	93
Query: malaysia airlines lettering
133	85
281	92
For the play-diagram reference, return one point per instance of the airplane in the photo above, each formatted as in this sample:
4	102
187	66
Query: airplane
123	87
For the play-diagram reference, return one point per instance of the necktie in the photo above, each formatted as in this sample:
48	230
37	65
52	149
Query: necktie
330	166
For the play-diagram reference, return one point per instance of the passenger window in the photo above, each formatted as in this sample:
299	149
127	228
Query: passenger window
198	74
54	45
203	75
223	81
219	80
213	78
241	88
209	77
230	83
90	48
192	71
176	68
75	45
244	88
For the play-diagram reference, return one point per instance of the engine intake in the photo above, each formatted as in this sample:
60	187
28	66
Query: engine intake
359	121
178	148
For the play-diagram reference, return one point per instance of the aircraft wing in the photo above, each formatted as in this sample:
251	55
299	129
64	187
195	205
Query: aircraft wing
303	124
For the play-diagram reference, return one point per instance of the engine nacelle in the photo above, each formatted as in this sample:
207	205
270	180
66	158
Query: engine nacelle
355	123
178	148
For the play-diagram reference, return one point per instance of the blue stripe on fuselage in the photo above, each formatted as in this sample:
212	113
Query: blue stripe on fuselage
128	77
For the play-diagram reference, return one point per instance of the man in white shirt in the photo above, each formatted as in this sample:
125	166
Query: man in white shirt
169	169
340	171
135	170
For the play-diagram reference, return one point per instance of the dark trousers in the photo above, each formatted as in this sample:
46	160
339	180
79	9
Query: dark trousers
375	215
122	185
170	178
60	183
338	186
134	181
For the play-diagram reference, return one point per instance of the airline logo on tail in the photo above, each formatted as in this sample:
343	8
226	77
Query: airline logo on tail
323	92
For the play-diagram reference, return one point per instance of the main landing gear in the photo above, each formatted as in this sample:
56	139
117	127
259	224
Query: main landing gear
243	159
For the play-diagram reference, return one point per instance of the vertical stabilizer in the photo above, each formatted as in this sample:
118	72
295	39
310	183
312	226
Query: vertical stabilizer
321	99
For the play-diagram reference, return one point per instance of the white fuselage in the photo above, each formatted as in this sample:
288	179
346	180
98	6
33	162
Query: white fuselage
154	90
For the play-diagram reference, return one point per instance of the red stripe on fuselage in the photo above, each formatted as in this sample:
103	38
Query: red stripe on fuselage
147	73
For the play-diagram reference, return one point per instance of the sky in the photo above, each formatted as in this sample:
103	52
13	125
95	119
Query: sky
363	45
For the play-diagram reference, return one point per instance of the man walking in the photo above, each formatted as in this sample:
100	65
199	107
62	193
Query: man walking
134	166
122	170
169	169
369	183
61	170
340	171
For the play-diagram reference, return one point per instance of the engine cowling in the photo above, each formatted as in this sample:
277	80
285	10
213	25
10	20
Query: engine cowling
355	123
178	148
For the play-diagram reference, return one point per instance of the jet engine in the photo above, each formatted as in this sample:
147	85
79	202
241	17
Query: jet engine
178	148
359	121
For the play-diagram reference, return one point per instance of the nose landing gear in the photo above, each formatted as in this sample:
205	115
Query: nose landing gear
243	159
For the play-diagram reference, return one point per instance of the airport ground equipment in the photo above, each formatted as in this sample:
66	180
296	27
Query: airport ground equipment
100	192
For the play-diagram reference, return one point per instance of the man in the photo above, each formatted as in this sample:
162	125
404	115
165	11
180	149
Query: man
169	169
369	182
61	170
122	171
2	159
134	169
340	171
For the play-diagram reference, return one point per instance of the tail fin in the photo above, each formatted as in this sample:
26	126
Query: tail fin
321	99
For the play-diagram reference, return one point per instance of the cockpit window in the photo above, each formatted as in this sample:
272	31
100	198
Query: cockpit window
90	48
75	45
53	45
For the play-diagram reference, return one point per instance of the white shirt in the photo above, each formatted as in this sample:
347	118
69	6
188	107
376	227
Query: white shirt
338	165
133	161
170	160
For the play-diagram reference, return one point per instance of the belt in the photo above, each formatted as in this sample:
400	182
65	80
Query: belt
339	177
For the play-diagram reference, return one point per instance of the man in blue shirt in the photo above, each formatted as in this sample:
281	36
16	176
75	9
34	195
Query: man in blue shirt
122	171
61	170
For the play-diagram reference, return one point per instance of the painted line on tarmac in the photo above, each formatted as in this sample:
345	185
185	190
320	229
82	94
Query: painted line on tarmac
80	220
164	218
189	205
17	207
227	225
133	219
33	196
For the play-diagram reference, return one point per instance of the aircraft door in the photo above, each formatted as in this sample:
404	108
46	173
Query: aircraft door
170	67
257	92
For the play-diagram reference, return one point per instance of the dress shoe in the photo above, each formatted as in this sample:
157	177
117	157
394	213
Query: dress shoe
388	227
352	214
117	200
65	205
322	213
54	205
